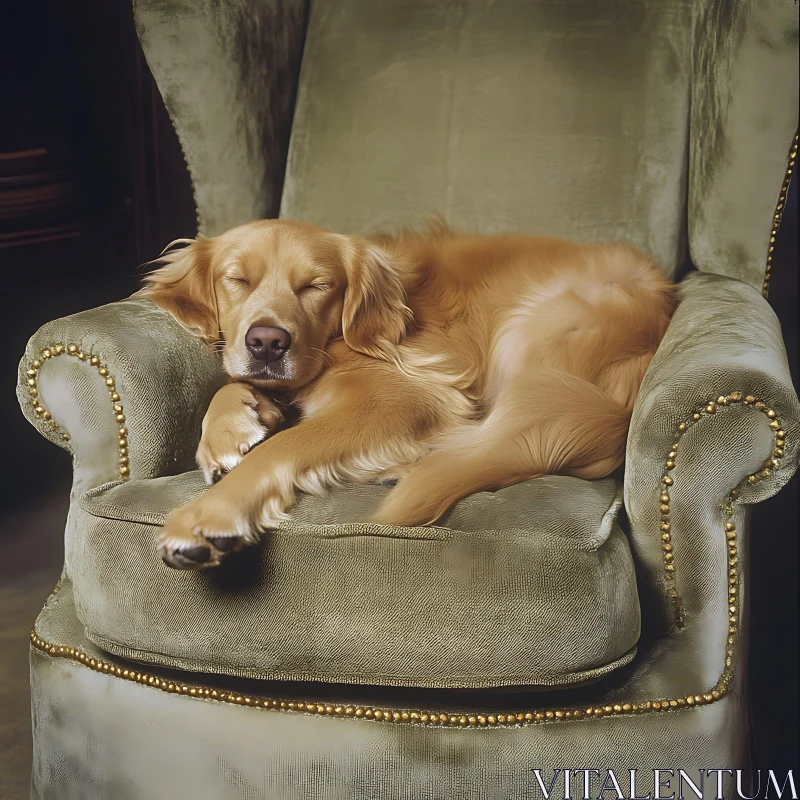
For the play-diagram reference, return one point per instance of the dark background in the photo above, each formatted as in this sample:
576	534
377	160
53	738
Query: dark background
93	184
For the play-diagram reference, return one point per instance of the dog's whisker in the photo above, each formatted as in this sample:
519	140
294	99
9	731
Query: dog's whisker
327	355
312	360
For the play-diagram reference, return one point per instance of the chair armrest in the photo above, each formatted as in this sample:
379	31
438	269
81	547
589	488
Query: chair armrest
123	387
719	388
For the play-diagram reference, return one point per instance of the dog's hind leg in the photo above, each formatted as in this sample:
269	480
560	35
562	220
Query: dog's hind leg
548	422
442	477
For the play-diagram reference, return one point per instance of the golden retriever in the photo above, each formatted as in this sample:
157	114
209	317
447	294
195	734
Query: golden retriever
448	363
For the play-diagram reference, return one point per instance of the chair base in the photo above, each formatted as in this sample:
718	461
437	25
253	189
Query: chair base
98	736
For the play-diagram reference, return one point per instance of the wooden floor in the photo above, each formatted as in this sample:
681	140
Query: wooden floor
33	553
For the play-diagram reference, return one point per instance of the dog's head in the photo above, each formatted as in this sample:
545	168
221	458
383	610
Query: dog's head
276	292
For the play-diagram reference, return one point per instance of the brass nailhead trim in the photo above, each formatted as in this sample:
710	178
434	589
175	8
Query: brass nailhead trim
119	412
440	719
667	481
419	717
778	216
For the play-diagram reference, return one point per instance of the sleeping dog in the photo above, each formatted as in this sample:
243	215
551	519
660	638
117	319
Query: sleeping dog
448	363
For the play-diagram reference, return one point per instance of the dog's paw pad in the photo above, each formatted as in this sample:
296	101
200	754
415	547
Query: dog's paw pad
199	553
226	544
190	557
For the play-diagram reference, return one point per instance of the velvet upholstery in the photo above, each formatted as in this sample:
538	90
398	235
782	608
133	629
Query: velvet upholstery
742	121
228	76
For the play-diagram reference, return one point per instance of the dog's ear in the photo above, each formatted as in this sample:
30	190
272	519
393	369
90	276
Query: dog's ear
374	316
184	286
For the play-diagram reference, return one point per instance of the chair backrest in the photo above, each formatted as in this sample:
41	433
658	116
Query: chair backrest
663	123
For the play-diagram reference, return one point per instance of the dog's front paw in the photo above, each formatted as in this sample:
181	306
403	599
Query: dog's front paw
237	420
201	534
227	441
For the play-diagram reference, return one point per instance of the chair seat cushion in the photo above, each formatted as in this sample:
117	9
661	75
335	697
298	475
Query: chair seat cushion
533	585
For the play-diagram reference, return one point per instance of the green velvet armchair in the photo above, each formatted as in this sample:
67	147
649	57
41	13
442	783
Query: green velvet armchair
557	624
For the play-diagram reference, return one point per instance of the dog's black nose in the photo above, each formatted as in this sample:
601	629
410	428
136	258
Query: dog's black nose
267	344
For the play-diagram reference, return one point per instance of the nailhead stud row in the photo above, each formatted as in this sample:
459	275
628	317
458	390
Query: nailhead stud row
778	216
427	718
667	480
75	351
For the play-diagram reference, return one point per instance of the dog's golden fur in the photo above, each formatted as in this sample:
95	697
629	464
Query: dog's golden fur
450	363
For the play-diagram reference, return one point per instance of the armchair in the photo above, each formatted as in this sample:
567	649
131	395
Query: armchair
555	624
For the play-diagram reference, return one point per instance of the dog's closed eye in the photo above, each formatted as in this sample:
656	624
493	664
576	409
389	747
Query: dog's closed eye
318	286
